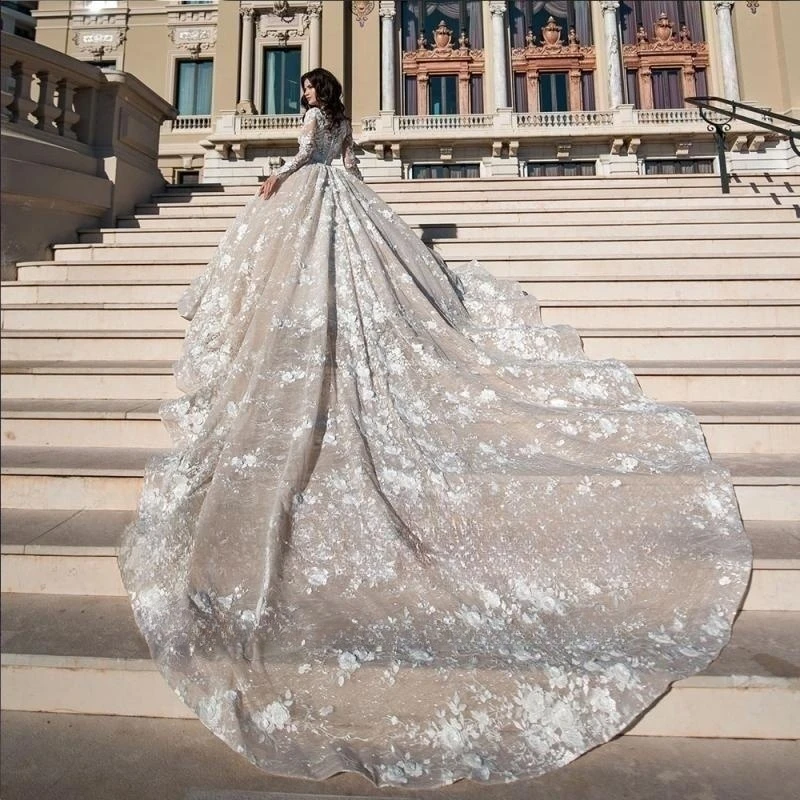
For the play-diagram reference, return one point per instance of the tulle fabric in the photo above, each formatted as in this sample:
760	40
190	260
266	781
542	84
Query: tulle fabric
406	530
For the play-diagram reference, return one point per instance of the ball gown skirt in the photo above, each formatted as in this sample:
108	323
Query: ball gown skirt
406	529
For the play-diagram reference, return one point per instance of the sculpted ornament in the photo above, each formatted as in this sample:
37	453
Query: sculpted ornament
361	10
99	42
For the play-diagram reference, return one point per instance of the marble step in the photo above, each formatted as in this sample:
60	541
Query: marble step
515	231
69	551
669	208
89	757
668	344
79	654
667	381
654	287
580	314
484	245
767	486
504	264
758	428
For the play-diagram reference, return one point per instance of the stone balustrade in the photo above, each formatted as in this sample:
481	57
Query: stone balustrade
79	147
188	123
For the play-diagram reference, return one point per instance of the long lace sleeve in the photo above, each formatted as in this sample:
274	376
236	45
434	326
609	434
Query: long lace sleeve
349	156
307	140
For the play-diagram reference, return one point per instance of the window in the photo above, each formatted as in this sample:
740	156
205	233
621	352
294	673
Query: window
443	94
679	166
667	92
185	177
558	169
193	90
421	171
281	81
553	91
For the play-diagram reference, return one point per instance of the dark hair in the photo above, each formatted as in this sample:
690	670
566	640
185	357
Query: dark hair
329	94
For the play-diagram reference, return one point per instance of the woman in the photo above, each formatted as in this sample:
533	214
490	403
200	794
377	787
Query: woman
407	530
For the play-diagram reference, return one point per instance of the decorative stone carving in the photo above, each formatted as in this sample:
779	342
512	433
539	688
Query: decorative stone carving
99	43
361	9
665	50
100	35
193	30
553	55
551	34
284	27
194	40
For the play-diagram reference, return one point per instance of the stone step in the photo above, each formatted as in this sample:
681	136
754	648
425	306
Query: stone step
496	231
505	265
672	382
78	654
759	428
668	344
767	486
68	551
172	758
542	211
653	287
463	249
580	314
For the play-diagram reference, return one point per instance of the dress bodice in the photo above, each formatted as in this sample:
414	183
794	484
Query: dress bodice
320	142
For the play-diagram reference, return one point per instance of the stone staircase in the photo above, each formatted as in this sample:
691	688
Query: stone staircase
698	292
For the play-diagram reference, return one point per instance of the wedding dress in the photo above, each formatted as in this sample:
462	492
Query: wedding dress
407	530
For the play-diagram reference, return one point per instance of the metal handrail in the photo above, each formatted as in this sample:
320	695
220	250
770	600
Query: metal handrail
734	109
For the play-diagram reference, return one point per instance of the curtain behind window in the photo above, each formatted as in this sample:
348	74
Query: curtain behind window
667	90
195	80
433	11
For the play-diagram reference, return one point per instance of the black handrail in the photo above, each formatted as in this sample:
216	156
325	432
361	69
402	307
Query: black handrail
734	109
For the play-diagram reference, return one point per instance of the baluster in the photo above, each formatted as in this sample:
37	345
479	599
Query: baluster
46	112
7	84
22	106
68	118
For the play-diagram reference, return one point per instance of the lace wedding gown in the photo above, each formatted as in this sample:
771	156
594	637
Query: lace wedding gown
406	530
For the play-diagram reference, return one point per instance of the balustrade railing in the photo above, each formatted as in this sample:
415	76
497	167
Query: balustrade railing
440	122
666	116
75	138
564	119
190	122
46	92
268	122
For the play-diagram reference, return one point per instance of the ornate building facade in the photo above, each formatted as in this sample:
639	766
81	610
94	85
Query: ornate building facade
450	88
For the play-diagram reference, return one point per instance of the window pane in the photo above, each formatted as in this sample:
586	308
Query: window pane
443	94
193	91
281	81
553	91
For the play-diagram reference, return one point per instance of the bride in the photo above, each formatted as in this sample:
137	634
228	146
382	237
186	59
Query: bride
406	530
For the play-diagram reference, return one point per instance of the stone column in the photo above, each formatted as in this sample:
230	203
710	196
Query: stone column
314	12
612	51
245	104
725	28
497	8
387	11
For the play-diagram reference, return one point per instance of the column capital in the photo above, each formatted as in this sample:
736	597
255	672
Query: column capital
727	5
609	5
314	8
247	13
497	7
387	8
